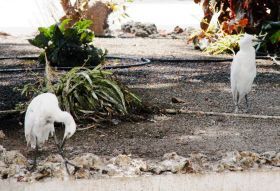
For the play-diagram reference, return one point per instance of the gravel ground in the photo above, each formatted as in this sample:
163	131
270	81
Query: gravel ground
203	86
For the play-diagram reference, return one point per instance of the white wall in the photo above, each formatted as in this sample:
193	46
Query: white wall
22	17
165	14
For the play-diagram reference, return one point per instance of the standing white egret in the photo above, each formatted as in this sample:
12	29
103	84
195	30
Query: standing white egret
40	116
243	70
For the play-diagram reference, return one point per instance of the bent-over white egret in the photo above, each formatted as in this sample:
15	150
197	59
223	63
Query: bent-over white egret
243	70
40	116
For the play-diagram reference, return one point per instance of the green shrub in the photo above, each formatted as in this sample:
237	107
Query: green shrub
224	44
270	37
72	46
83	91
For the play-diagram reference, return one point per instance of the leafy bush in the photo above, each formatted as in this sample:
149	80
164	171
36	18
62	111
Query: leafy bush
68	46
270	37
237	16
232	17
225	44
82	91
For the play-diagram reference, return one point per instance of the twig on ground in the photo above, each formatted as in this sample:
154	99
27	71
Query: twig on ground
86	128
274	59
184	111
5	112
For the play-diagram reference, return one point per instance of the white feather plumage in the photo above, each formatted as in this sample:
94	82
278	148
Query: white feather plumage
40	116
243	69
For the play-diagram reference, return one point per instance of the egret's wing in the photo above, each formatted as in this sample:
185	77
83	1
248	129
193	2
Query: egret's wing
29	120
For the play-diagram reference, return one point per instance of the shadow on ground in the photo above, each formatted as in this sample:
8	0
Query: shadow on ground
204	87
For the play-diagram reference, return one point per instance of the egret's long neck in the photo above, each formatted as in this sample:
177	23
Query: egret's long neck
246	46
67	119
63	117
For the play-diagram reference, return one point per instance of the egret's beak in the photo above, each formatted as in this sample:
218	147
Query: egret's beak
257	40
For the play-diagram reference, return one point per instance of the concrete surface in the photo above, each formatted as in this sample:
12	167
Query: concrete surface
245	181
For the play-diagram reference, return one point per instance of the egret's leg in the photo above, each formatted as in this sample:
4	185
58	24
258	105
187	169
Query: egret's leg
247	103
236	108
56	141
63	143
236	100
60	150
34	165
67	161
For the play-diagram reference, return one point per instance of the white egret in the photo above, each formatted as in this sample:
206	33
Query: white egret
243	70
40	116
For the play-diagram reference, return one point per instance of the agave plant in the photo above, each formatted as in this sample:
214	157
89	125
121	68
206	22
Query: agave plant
83	91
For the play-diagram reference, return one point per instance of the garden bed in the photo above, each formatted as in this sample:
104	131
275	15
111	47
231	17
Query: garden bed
204	86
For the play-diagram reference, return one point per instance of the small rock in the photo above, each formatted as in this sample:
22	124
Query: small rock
173	36
139	165
2	153
139	29
172	162
2	149
89	161
231	157
2	135
268	155
50	166
175	163
123	165
177	100
14	157
200	162
112	170
127	27
141	33
14	170
61	172
82	174
236	161
247	162
4	34
161	117
163	33
43	174
178	30
121	160
155	168
115	121
2	164
249	159
154	36
151	28
275	161
54	158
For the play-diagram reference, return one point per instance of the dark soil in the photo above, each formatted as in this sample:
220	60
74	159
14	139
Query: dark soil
203	86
